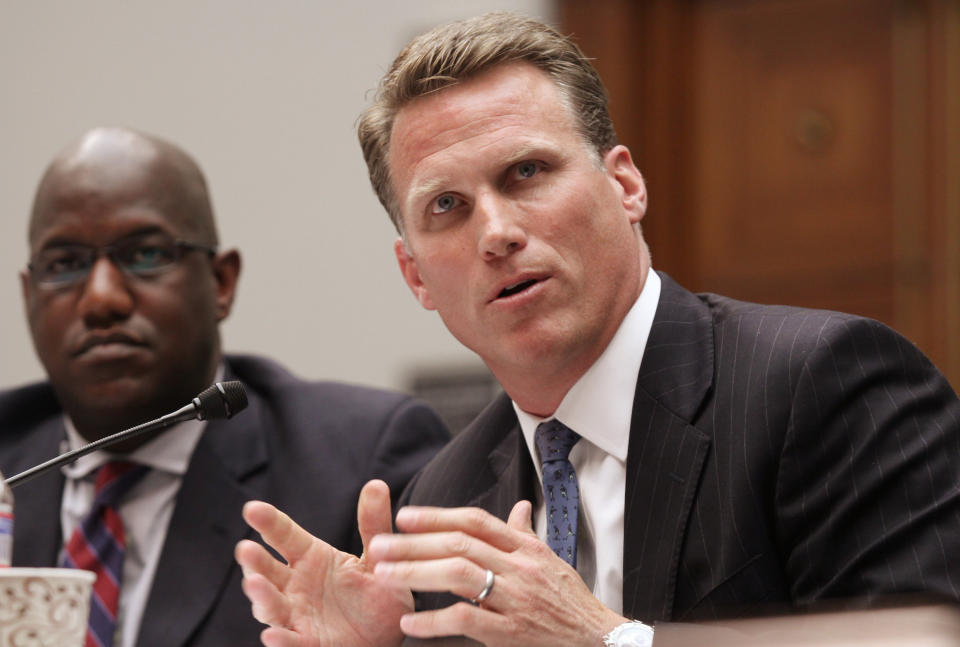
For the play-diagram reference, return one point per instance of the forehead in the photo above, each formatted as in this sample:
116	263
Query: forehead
510	106
98	200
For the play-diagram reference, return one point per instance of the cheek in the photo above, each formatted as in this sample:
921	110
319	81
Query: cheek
443	269
439	291
49	321
179	310
188	309
606	221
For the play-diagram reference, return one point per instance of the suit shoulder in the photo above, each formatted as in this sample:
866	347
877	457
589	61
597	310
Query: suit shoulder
802	329
333	405
803	344
23	412
269	378
724	308
27	404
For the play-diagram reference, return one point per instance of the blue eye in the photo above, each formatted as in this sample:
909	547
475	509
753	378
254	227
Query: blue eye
527	169
445	203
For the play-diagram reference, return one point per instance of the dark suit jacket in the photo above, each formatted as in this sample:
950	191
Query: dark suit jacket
777	456
307	448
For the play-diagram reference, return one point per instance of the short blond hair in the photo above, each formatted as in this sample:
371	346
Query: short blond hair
460	50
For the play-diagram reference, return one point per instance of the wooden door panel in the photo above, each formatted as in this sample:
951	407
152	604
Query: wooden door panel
796	151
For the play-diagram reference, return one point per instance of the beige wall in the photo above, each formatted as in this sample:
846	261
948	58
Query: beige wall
265	95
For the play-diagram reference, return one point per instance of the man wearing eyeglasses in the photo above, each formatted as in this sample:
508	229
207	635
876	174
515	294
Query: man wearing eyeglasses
124	290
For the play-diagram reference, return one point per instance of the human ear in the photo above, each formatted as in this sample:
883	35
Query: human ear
408	267
25	287
226	272
627	181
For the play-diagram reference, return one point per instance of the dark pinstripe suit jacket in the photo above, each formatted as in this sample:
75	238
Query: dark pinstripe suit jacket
777	456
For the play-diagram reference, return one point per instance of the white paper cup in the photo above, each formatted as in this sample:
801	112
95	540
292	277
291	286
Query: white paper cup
44	607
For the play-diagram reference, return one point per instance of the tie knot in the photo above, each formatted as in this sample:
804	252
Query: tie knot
555	440
114	480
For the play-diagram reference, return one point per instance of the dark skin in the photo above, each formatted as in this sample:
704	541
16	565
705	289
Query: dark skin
118	349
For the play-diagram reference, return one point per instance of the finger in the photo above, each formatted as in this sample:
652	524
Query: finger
439	545
457	575
254	559
278	530
521	517
472	521
461	619
280	637
373	513
267	604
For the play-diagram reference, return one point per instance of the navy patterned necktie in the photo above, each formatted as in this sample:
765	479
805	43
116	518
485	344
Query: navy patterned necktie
561	493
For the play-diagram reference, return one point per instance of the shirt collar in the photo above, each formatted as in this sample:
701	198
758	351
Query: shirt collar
600	404
169	452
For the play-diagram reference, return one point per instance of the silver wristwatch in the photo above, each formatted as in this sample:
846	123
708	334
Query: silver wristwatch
630	634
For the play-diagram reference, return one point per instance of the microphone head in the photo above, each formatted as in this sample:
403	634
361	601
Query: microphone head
222	400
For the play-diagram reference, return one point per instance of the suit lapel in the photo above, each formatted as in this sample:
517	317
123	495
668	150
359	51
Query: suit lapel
197	557
666	453
505	477
37	537
490	467
513	474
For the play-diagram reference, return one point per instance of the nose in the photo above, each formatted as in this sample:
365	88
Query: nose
501	233
105	296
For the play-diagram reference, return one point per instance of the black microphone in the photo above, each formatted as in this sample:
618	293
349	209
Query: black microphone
222	400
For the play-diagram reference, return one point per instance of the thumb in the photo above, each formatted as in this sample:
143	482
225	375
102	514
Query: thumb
374	516
521	517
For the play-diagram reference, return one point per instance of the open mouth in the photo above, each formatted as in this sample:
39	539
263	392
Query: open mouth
516	288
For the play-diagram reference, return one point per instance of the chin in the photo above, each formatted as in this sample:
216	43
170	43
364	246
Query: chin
119	394
526	353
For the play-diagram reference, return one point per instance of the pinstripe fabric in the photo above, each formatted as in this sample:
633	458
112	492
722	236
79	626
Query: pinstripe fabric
777	456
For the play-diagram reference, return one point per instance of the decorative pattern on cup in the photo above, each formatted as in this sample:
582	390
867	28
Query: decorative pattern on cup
48	610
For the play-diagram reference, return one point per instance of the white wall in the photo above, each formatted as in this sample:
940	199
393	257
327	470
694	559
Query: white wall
265	96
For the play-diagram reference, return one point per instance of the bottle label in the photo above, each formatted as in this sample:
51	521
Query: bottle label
6	534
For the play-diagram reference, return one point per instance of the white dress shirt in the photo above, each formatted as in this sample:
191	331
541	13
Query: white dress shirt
146	509
599	408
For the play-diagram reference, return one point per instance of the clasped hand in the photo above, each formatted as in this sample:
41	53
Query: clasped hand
324	597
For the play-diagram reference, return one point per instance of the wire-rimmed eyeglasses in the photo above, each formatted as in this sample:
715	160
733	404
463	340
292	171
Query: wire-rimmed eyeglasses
62	266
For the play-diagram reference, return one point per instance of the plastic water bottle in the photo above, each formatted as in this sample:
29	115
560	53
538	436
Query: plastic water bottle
6	523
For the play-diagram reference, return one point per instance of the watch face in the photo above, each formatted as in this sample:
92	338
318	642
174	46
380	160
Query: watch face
630	634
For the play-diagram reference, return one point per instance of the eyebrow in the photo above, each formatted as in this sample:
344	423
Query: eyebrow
527	151
427	188
523	152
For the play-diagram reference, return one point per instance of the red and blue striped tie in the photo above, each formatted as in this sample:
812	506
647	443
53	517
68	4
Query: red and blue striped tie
98	545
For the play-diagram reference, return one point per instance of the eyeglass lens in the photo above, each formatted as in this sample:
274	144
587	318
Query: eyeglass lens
141	256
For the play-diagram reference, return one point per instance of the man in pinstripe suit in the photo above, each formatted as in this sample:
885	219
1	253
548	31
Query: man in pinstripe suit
732	456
